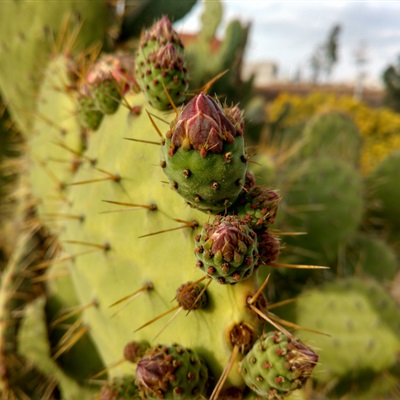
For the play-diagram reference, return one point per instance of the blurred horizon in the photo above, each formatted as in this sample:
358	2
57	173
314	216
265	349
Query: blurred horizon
287	33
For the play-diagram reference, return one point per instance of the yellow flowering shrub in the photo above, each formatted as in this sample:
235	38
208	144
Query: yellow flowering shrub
379	127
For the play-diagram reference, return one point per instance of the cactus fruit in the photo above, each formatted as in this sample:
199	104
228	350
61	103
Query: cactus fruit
277	365
89	115
120	388
171	372
160	65
204	156
258	206
226	249
107	83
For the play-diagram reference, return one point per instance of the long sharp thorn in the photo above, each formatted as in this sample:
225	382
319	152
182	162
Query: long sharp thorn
155	125
74	339
174	315
147	286
272	322
151	207
105	370
170	100
74	311
295	326
143	141
281	233
281	303
187	225
47	264
259	291
225	373
207	86
280	265
108	178
200	294
157	318
105	246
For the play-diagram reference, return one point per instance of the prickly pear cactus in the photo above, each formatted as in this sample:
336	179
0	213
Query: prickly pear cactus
140	208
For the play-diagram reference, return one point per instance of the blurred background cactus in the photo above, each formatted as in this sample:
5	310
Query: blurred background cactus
101	259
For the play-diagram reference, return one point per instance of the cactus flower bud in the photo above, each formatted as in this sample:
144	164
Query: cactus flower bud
203	126
226	249
168	370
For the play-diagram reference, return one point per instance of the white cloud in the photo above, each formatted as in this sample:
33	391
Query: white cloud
289	31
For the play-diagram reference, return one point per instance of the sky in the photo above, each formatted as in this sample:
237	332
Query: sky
288	32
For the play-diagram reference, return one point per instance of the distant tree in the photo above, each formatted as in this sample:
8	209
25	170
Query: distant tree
325	55
391	80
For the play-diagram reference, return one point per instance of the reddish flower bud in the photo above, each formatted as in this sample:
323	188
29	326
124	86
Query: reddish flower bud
203	126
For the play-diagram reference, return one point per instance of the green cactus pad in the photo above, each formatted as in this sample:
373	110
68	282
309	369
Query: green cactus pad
226	249
332	134
363	323
150	241
372	256
172	372
384	192
277	365
322	198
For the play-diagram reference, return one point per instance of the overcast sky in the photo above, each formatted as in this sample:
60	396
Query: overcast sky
288	32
